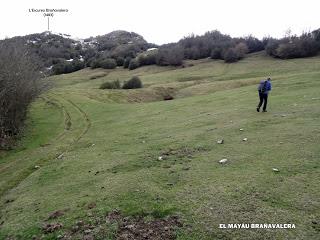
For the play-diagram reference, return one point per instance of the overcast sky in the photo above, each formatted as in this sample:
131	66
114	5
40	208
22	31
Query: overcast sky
162	21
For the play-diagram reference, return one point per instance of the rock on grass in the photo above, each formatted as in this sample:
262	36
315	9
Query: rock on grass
223	161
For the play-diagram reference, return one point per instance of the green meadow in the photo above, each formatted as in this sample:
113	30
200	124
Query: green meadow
83	145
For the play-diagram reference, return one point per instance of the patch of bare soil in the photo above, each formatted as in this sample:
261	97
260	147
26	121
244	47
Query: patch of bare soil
117	226
56	214
182	152
51	227
138	228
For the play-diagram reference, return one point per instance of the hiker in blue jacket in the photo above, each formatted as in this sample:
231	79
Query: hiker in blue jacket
264	88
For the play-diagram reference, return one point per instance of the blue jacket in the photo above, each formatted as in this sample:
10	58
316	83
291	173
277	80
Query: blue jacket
268	86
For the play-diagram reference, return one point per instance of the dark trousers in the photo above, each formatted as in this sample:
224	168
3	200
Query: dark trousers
263	99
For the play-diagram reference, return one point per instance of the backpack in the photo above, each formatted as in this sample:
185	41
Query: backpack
264	87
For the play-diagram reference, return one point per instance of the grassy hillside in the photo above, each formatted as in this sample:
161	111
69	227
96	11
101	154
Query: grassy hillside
88	151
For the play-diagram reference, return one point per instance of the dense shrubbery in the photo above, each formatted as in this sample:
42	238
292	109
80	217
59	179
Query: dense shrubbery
128	49
49	47
271	47
134	82
120	61
306	45
134	63
212	44
111	85
63	66
253	44
119	45
147	58
170	54
107	63
241	49
218	46
126	62
216	53
230	55
102	51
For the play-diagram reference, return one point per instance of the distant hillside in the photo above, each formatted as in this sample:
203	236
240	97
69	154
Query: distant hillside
117	45
116	40
50	47
61	54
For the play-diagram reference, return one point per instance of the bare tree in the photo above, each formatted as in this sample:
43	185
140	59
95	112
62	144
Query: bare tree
20	83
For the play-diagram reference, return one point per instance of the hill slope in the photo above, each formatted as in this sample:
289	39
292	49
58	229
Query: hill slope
56	51
98	150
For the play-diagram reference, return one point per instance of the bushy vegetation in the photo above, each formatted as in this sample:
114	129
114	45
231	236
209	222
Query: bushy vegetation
196	47
120	61
170	54
61	54
134	82
126	62
20	83
212	44
306	45
254	44
134	63
61	66
236	53
216	53
111	85
53	49
231	55
117	41
65	55
107	63
147	58
219	46
119	45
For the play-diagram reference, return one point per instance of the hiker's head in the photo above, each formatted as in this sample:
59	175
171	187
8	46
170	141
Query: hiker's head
269	79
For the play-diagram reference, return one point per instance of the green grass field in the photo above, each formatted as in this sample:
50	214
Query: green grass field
111	141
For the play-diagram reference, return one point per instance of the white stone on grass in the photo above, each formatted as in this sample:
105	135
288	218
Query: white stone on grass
224	160
275	169
220	141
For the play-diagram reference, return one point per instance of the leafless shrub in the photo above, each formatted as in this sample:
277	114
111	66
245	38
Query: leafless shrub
20	83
